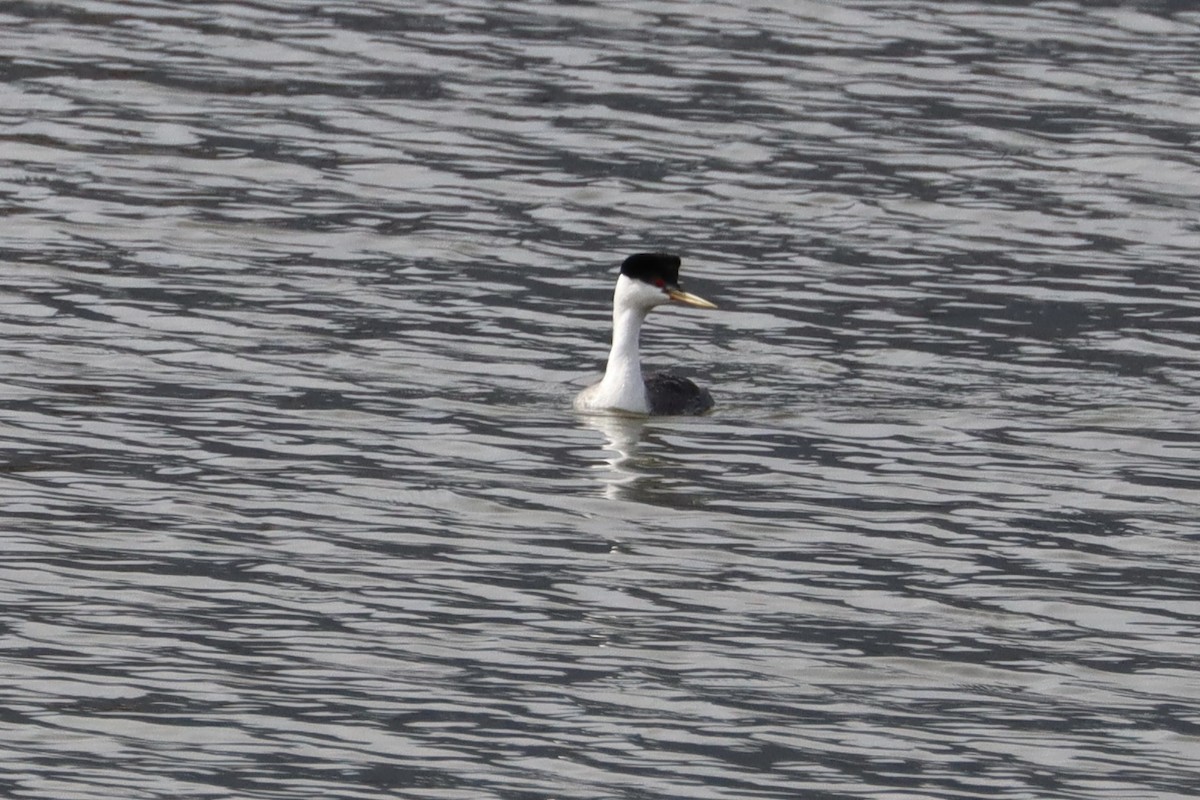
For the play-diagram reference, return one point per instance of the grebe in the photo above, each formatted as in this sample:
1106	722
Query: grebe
646	280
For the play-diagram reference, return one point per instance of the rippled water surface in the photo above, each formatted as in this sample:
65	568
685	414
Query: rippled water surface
295	298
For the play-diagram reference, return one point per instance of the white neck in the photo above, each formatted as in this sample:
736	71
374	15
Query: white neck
622	387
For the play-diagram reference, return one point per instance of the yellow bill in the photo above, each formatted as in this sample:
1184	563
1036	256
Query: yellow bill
688	299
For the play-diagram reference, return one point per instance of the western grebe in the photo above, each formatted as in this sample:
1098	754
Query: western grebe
646	280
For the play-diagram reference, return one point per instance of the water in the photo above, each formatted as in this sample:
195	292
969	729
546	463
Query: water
295	300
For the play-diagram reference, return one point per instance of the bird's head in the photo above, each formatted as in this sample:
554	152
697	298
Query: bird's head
652	279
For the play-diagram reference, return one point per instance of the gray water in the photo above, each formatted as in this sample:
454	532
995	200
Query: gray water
295	298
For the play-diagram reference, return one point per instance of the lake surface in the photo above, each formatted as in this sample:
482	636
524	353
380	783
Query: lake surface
295	299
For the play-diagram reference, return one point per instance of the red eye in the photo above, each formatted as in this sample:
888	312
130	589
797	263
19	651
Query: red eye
660	283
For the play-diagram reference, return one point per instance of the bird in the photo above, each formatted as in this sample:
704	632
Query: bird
647	280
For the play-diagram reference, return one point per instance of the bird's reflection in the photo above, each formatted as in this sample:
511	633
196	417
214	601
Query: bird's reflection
622	439
635	466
